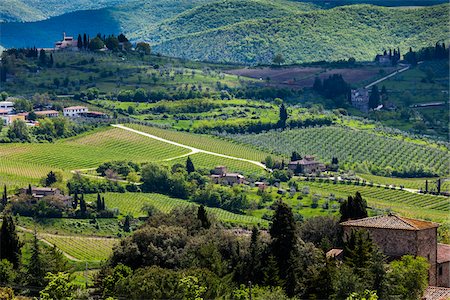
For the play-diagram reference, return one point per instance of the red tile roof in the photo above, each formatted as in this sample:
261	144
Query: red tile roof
46	112
443	253
391	222
436	293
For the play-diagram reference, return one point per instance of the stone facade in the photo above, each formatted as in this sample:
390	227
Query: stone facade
443	265
360	99
307	165
397	236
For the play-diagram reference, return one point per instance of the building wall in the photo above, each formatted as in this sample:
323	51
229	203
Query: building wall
444	279
395	243
427	247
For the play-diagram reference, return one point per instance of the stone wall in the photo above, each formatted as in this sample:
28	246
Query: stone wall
444	279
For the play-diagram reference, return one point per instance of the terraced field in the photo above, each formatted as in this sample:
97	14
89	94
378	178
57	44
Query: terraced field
132	203
355	148
83	248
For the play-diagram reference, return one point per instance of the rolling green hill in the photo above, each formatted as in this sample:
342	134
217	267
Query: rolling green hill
358	31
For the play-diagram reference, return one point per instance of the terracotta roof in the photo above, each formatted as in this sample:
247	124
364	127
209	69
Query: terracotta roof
46	112
391	222
443	253
436	293
76	107
334	252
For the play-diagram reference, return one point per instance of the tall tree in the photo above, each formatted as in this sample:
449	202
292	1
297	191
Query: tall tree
202	215
283	232
75	201
295	156
9	241
189	165
51	61
85	41
4	196
50	179
374	98
278	59
99	202
82	204
127	224
79	42
353	208
35	267
283	116
42	57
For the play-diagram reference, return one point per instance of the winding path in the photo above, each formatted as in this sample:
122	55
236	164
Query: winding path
193	149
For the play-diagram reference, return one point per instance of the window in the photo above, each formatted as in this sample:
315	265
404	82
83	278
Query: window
440	271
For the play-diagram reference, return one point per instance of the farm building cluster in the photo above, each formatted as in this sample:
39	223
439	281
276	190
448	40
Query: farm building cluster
8	113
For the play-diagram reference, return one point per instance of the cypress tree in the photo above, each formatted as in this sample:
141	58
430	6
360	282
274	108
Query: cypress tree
374	99
202	215
189	165
9	242
75	201
35	268
85	42
79	42
353	208
82	204
42	57
284	236
103	203
127	224
426	186
99	202
29	190
4	196
51	61
283	116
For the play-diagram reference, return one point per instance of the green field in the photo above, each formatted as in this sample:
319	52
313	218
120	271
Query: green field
132	203
356	149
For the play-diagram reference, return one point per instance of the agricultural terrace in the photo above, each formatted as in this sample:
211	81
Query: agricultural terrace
356	149
91	249
303	77
132	203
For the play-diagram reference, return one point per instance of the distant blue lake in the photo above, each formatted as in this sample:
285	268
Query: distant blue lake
45	33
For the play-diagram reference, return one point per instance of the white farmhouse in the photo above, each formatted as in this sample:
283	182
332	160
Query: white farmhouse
7	106
74	111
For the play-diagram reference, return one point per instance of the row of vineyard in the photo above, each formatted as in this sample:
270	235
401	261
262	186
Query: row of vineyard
133	203
355	149
83	248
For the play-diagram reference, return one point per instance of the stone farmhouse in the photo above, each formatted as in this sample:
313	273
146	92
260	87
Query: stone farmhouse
220	175
67	43
307	165
397	236
360	99
7	106
40	192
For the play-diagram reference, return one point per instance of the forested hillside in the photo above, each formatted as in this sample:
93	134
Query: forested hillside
358	31
250	32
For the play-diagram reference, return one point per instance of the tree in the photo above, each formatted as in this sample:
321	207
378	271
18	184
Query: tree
191	288
75	201
269	162
96	44
79	42
353	208
99	203
127	224
283	116
143	48
4	196
32	116
278	59
202	215
18	131
155	178
7	273
295	156
189	165
82	204
283	232
317	86
85	42
374	99
112	43
35	267
51	60
42	58
9	242
59	287
409	277
51	179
